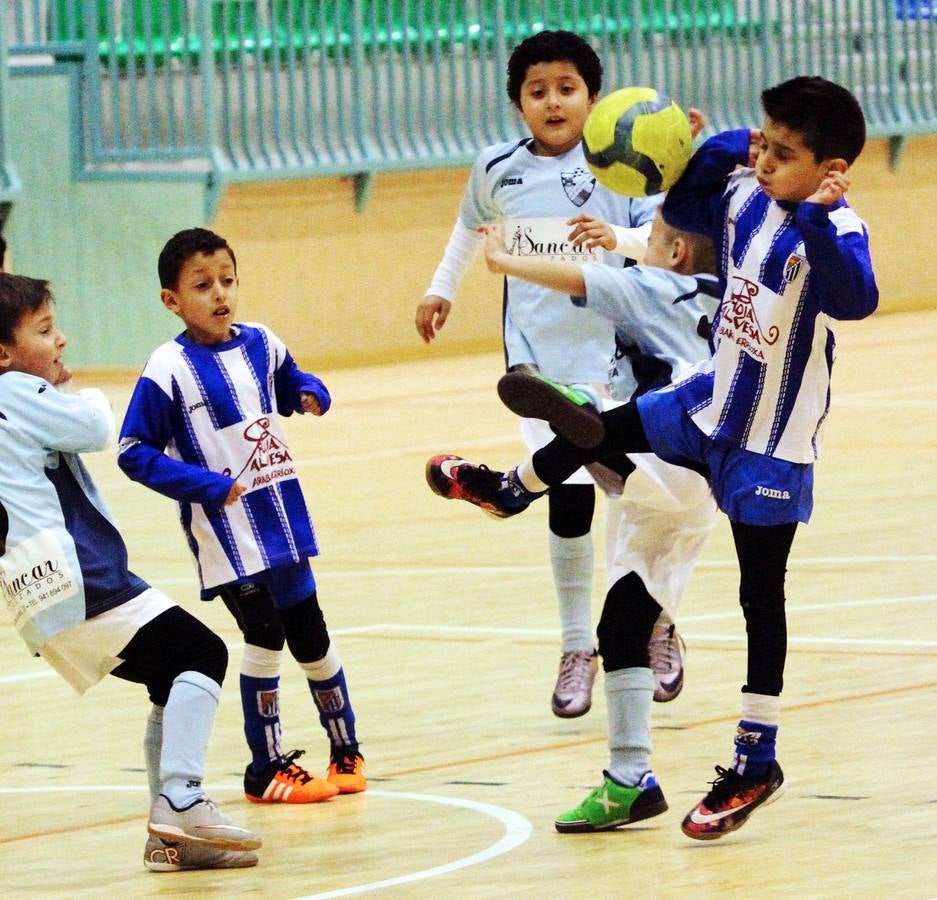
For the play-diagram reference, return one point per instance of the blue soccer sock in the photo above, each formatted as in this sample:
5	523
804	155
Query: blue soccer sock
330	693
756	735
260	702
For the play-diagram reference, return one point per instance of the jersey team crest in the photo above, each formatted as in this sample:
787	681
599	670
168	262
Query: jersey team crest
793	265
579	185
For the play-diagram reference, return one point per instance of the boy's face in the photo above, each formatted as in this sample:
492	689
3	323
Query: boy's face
36	348
659	244
205	297
555	102
786	167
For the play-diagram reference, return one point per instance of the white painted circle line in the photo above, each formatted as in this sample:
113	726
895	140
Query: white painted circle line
517	829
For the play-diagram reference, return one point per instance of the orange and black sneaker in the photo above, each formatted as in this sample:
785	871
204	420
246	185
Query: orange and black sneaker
287	782
346	770
731	801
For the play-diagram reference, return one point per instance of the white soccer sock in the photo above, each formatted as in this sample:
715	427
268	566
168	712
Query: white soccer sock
763	708
325	668
187	723
152	748
573	562
629	694
528	477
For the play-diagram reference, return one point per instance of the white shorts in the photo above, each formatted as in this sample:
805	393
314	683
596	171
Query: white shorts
85	653
657	527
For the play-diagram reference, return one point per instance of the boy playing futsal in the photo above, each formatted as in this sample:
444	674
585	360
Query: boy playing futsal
65	581
793	257
554	79
203	428
661	312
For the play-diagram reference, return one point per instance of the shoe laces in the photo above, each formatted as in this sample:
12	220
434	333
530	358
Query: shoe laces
575	671
480	478
727	783
345	760
293	771
664	652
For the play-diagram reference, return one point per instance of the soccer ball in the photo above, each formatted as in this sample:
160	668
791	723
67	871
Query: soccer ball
637	141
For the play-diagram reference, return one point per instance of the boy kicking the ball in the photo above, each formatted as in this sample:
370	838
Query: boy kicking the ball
554	79
794	258
87	614
203	428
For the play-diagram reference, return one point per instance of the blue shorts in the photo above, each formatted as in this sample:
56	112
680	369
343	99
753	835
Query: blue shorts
288	585
750	488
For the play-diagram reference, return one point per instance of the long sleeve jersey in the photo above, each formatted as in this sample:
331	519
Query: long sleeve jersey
508	181
789	270
62	560
204	416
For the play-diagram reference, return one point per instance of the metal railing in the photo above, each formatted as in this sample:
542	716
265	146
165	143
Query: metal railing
275	88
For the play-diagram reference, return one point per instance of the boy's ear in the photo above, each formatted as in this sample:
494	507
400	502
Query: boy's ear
169	300
679	252
837	165
5	358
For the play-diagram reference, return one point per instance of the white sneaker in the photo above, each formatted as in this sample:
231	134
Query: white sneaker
201	823
666	650
175	856
572	695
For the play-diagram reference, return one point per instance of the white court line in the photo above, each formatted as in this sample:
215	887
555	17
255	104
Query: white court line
495	631
517	829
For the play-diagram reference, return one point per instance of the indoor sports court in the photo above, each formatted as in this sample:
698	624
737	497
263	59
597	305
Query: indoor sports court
445	618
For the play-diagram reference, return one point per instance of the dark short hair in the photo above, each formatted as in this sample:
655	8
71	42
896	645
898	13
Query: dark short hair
18	296
553	46
826	114
182	246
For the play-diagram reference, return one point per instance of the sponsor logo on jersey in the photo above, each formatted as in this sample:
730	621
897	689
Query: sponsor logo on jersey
196	406
331	700
510	182
270	458
739	323
578	184
792	266
772	493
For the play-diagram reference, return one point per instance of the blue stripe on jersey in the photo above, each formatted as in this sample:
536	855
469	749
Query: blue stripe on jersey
292	494
796	356
748	221
218	519
185	517
269	523
742	397
786	240
257	356
183	433
521	143
829	352
215	387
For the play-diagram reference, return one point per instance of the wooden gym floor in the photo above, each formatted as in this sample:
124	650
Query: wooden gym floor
447	625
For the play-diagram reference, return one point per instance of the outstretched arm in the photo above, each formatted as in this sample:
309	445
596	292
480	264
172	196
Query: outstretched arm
560	276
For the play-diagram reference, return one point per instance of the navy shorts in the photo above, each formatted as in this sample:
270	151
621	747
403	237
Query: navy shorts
750	488
288	585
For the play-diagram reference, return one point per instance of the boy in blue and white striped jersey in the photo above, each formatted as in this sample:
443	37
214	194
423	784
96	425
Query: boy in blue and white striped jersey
203	428
793	258
65	580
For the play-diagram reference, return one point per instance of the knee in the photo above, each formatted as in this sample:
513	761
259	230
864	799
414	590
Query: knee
571	509
305	629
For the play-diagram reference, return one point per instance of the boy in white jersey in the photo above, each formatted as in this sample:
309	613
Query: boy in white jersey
554	78
661	311
203	428
793	258
85	612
